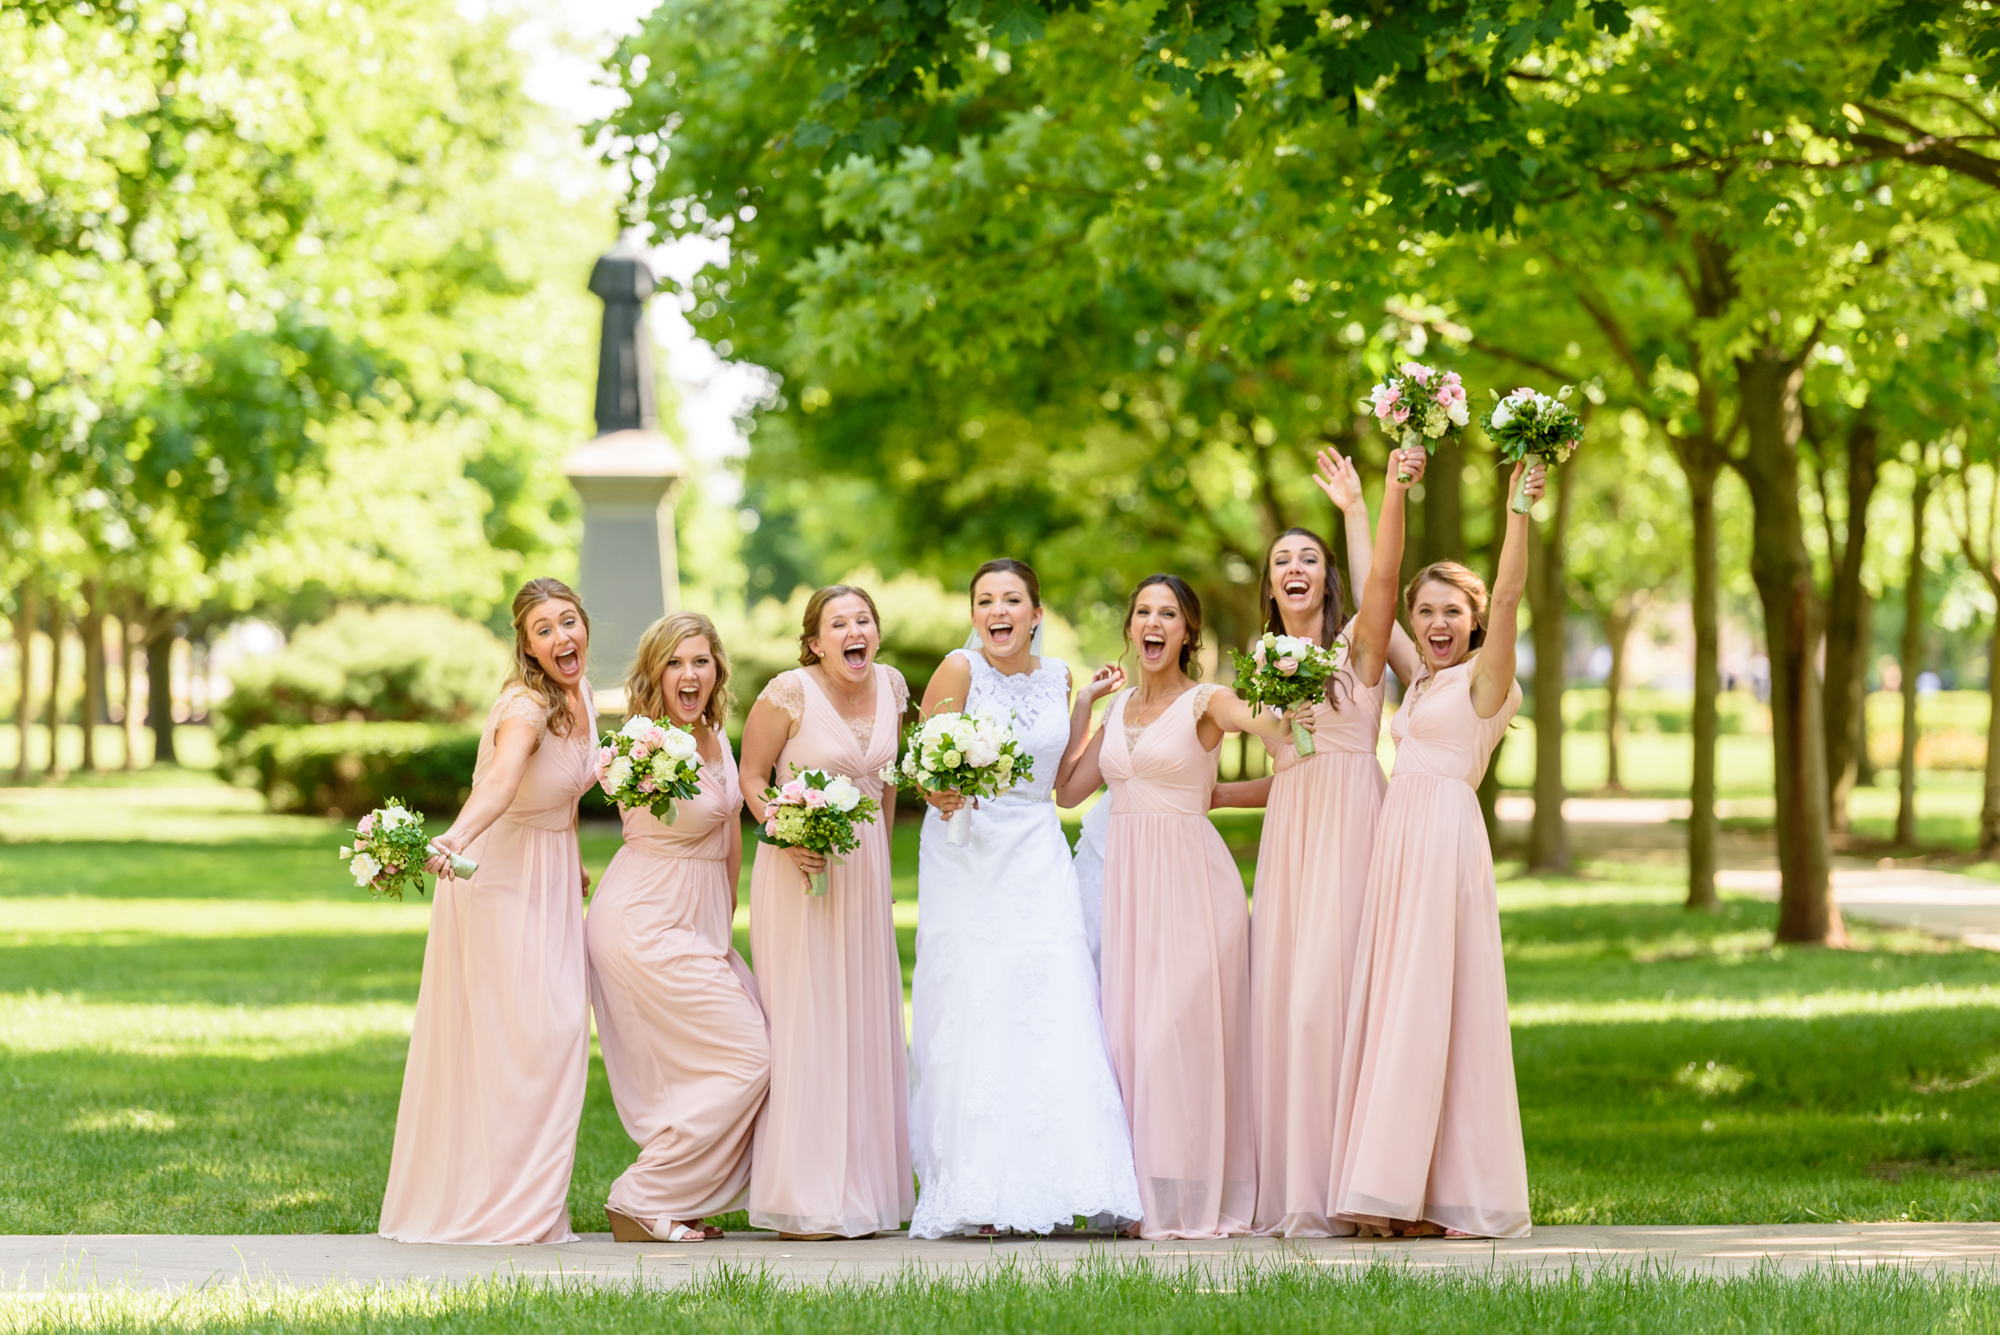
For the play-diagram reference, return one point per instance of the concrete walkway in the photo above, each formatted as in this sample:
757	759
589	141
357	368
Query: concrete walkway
36	1265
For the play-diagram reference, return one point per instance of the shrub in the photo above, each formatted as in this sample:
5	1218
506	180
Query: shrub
354	767
389	664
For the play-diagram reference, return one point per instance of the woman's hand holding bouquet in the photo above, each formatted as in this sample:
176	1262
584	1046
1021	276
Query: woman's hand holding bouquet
1283	673
969	755
650	765
817	812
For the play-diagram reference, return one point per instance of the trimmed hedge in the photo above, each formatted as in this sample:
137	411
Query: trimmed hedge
350	768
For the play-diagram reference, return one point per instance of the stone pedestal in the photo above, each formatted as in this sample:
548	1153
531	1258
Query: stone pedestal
629	575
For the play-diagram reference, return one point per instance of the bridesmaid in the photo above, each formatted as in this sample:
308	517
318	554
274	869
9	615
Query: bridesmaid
1429	1127
493	1092
685	1045
1176	945
832	1153
1312	865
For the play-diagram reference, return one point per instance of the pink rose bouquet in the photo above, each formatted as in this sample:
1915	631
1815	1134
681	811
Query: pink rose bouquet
649	765
817	811
389	852
1419	405
1282	673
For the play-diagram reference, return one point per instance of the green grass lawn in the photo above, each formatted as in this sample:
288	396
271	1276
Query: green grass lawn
204	1031
1377	1300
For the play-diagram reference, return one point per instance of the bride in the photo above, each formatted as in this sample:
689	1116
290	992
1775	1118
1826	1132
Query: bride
1015	1117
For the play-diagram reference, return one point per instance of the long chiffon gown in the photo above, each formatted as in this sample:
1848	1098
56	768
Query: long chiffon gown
1004	1004
1312	868
832	1152
685	1046
1176	977
493	1091
1429	1125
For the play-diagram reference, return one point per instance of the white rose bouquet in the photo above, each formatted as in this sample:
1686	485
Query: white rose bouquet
389	852
972	755
817	811
1283	672
650	765
1526	424
1419	405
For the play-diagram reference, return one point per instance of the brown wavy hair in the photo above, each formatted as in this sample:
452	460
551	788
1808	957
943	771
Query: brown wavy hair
816	610
1190	612
1458	577
1007	565
527	673
643	694
1333	603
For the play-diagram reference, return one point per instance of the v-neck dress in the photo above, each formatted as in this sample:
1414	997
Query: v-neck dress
493	1089
1176	977
1429	1125
832	1152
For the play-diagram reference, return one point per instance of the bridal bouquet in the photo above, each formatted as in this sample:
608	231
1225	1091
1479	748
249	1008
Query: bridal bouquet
389	852
650	765
1419	405
1526	424
969	754
817	811
1283	672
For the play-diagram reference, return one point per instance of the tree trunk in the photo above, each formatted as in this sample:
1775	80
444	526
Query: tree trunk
1548	837
1913	663
1781	568
160	687
1701	478
128	660
1846	645
1443	537
1989	807
57	631
93	670
1864	761
26	616
1616	620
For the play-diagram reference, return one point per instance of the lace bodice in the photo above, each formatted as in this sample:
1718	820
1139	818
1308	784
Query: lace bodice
787	692
1134	731
1037	703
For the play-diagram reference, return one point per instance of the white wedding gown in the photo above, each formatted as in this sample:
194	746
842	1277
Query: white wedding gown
1015	1118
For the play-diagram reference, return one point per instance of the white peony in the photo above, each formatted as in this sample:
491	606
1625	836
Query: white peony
982	753
680	745
1503	413
842	795
962	733
1459	414
618	775
936	726
636	727
394	818
365	869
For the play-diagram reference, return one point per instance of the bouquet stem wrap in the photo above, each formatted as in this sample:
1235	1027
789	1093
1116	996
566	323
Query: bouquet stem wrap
461	866
1302	740
958	827
1520	504
816	881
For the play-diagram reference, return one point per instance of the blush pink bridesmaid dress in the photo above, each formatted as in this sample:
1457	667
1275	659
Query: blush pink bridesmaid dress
686	1049
493	1091
832	1152
1312	869
1176	977
1429	1124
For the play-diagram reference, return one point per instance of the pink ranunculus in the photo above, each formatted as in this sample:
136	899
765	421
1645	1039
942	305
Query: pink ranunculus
1451	378
794	792
1287	666
815	798
771	828
656	737
1450	394
647	785
640	751
367	824
1522	393
1416	371
605	755
1400	416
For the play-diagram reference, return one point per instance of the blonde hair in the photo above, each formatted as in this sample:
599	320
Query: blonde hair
816	611
527	673
1459	577
643	694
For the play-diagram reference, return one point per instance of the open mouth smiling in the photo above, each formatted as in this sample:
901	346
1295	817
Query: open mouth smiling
1297	587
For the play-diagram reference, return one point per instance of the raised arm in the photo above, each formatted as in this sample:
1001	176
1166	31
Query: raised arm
1493	672
1079	776
1376	619
1342	485
514	741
